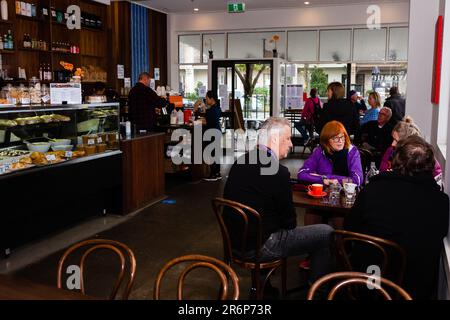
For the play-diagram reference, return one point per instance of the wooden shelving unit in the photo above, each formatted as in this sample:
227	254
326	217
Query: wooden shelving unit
93	43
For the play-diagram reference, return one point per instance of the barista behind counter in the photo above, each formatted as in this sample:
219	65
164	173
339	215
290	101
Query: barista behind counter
142	102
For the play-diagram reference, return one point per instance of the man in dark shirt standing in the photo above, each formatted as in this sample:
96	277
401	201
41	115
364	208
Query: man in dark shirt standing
142	102
258	180
396	103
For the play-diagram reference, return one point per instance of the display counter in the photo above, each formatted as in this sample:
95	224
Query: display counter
143	170
58	165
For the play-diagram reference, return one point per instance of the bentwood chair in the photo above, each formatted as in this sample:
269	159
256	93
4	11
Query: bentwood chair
347	279
122	251
346	242
237	255
366	159
225	273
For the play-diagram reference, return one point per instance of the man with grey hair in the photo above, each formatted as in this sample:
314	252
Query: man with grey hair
376	136
270	194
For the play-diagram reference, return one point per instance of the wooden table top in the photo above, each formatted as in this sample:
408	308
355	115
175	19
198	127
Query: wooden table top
12	288
302	200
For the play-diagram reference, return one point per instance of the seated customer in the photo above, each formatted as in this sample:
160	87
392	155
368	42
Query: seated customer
376	135
335	159
258	180
403	130
375	105
306	124
331	162
393	205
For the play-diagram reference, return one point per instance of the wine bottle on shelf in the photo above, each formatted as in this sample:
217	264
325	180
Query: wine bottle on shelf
10	40
41	76
1	43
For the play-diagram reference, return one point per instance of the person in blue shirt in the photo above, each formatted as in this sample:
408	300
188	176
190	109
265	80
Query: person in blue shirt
212	117
375	106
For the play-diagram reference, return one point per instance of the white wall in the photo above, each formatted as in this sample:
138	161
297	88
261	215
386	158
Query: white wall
422	23
331	16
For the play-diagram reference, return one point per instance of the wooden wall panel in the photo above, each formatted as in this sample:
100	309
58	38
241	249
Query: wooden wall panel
158	45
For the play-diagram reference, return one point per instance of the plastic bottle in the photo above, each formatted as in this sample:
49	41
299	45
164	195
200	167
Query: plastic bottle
373	171
173	117
180	117
4	7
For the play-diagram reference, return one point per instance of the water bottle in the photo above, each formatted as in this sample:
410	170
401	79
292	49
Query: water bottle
173	117
373	171
180	117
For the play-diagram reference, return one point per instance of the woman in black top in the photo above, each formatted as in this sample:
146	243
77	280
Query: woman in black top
339	109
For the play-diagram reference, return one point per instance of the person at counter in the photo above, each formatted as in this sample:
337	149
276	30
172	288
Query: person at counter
212	117
143	102
358	102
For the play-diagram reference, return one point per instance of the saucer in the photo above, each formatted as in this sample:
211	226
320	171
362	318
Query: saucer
317	196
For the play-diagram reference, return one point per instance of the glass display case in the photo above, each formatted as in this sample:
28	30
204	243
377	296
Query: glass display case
39	135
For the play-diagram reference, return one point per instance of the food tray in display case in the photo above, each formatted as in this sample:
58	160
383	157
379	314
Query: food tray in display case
38	135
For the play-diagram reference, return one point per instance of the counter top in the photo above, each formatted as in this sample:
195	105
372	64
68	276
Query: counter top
141	136
55	107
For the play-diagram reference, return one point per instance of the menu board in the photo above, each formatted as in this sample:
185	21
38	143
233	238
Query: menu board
65	93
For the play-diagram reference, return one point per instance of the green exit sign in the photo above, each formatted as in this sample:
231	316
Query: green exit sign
236	7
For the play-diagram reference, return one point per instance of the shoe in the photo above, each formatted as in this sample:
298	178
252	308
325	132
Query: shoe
304	264
211	178
218	177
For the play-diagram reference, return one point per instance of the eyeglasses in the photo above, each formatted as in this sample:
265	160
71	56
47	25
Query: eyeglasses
338	138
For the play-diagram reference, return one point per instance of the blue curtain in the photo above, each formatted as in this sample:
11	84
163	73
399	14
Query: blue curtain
139	42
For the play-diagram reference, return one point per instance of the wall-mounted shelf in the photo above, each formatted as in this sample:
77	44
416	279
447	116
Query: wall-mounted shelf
7	51
34	50
34	19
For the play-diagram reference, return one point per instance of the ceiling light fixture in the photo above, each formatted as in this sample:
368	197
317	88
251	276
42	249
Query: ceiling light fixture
195	9
306	2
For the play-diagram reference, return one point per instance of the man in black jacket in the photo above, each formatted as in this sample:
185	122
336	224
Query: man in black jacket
405	206
397	104
142	102
258	180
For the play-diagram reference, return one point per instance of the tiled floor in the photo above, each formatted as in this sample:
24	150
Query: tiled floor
156	235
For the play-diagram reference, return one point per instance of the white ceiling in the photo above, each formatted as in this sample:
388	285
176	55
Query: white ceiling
184	6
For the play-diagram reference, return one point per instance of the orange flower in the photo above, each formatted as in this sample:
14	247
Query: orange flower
275	37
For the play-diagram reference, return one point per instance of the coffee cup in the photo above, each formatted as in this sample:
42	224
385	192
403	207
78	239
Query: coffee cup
316	189
350	187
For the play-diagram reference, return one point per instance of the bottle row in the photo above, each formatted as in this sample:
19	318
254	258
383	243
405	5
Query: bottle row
31	10
30	43
7	41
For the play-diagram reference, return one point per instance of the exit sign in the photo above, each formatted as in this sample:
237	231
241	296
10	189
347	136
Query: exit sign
236	7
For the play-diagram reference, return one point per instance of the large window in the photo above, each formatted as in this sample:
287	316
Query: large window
302	45
398	44
256	45
191	79
190	48
215	43
369	45
335	45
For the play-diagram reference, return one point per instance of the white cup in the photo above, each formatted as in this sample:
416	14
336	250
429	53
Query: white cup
350	188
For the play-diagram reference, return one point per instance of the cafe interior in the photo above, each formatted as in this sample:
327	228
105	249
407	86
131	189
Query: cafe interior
107	113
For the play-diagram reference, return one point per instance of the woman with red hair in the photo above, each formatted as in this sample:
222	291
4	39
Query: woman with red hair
332	161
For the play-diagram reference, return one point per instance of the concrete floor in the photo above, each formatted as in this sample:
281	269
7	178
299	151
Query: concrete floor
156	235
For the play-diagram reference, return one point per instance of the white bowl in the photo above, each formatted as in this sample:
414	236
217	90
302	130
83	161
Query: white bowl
39	146
60	142
64	147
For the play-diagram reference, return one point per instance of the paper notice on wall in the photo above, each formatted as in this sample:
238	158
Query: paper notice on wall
120	71
223	90
290	70
157	74
225	104
69	93
127	82
152	84
202	91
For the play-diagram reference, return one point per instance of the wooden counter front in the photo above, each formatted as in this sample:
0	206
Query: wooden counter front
143	171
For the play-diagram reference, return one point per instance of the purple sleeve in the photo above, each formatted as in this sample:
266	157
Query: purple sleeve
437	169
310	166
384	166
355	168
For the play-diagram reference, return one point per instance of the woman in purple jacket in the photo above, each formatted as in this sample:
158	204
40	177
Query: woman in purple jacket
331	162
